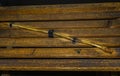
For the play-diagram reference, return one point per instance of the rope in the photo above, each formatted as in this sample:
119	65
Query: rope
104	49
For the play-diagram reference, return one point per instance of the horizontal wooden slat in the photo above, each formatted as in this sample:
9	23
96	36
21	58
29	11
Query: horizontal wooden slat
62	8
72	16
93	32
55	42
65	8
66	24
56	53
116	23
62	24
60	64
60	12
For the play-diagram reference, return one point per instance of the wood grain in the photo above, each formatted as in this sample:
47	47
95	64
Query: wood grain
55	42
61	24
93	32
54	9
71	16
56	53
66	24
116	23
60	64
60	12
25	50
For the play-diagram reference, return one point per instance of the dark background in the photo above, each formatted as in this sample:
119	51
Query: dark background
61	73
46	2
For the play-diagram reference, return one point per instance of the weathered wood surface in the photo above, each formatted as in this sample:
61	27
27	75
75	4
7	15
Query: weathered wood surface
80	16
25	50
60	64
63	24
67	24
55	42
116	23
100	32
56	53
61	12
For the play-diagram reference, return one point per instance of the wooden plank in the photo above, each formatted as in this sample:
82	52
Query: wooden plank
116	23
60	64
60	12
93	32
71	16
66	24
55	42
61	24
56	53
62	8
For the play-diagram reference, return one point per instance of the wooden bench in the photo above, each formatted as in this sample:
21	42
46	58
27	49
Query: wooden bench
26	50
